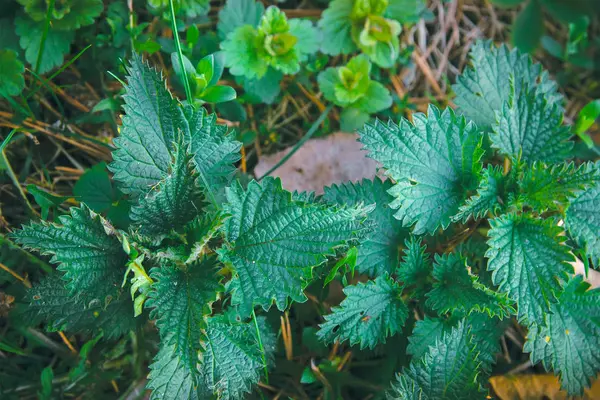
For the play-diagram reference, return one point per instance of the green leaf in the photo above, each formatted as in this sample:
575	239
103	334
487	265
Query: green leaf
242	53
66	15
416	265
266	89
405	11
172	202
377	98
528	27
264	221
150	127
169	377
215	150
238	13
232	362
455	289
219	94
308	37
587	116
378	252
369	314
568	11
488	199
12	81
352	119
449	370
94	189
482	89
569	340
346	85
528	258
63	311
435	161
529	128
486	333
546	187
89	253
336	25
45	200
583	221
181	300
56	46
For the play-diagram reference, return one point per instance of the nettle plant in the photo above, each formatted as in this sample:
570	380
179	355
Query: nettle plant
201	253
515	214
371	26
351	87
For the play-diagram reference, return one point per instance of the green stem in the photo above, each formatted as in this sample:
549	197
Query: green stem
260	345
186	84
308	135
38	62
11	173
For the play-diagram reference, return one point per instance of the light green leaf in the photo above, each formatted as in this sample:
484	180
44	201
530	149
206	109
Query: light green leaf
377	98
86	249
309	37
528	258
264	221
378	252
181	299
582	220
435	161
488	199
66	15
56	46
569	340
266	89
336	25
482	89
12	81
238	13
456	290
405	11
352	119
369	314
529	128
219	94
448	370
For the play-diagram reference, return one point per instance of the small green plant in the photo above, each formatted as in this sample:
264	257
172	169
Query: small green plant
262	50
203	78
371	26
351	87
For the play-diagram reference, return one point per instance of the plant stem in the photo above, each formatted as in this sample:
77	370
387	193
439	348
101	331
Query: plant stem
38	62
262	349
308	135
186	84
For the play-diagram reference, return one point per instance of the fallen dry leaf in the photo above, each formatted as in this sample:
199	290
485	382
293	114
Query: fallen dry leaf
535	387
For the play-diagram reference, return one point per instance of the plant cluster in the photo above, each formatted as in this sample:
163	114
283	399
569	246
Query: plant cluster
480	220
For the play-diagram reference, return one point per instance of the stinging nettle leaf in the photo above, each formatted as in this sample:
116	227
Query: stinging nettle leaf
455	289
92	259
173	202
370	313
378	252
274	241
488	199
416	267
181	299
528	258
233	358
529	127
582	218
482	89
569	339
448	370
435	162
145	147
